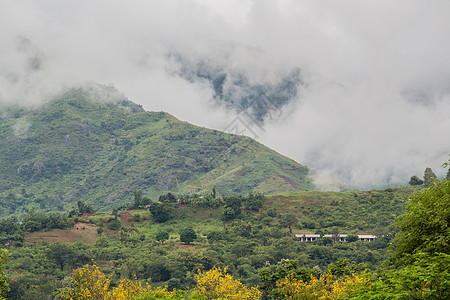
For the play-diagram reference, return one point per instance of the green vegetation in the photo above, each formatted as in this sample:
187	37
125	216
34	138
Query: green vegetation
4	287
163	236
424	229
187	235
65	165
414	180
421	249
253	243
429	176
93	145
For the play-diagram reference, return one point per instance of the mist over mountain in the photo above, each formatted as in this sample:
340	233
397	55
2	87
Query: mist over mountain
237	91
330	85
93	144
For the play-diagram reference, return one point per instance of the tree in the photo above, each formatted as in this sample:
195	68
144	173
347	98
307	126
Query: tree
90	283
228	213
4	287
9	225
159	270
169	197
344	267
254	201
187	235
327	286
160	212
137	198
114	224
217	284
136	218
84	208
352	238
232	208
270	275
288	220
115	213
428	176
414	180
61	254
140	200
162	236
427	278
215	236
424	227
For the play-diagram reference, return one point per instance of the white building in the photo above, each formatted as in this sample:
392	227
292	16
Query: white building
308	237
337	238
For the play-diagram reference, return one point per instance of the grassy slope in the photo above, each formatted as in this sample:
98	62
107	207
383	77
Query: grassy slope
80	146
367	211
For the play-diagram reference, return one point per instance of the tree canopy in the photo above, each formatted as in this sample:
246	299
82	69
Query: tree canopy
429	176
160	212
424	228
187	235
414	180
3	282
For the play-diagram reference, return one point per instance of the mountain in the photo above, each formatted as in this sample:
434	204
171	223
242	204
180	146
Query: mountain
93	144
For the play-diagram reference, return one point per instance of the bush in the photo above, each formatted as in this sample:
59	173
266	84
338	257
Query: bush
187	235
162	236
136	217
114	225
160	212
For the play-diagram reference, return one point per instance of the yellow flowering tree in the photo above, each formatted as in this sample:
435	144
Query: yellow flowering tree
217	284
90	283
325	287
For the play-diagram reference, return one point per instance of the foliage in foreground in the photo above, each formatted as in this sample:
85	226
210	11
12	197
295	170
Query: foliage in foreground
427	278
217	284
327	286
425	226
256	242
90	283
3	282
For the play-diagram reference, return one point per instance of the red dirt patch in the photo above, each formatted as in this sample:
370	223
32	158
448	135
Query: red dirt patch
83	232
126	218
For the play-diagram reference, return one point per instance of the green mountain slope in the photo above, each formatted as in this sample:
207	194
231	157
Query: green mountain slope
92	144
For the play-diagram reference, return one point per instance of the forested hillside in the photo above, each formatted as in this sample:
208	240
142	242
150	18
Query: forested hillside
252	236
94	145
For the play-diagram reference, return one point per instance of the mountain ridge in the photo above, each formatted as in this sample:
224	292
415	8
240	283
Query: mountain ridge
95	145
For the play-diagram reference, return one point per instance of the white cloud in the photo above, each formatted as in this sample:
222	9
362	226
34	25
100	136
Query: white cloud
375	108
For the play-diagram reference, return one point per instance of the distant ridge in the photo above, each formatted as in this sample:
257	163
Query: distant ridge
93	144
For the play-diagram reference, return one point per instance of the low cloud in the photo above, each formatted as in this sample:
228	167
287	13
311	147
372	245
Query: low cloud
371	110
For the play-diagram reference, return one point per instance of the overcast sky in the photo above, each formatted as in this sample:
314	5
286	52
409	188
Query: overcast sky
374	108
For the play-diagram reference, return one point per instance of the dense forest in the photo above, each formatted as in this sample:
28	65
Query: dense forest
184	245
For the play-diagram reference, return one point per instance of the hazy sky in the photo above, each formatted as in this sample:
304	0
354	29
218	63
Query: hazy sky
374	109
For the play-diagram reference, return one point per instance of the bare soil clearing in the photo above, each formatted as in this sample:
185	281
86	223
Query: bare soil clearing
83	232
